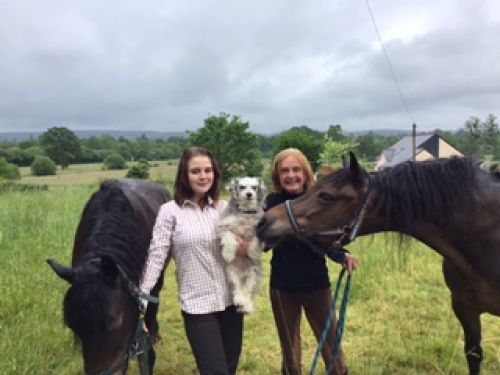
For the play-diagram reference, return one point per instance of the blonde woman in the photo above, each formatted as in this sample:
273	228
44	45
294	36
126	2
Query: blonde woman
299	276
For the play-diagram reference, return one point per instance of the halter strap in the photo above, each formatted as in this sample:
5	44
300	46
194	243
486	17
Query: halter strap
291	216
348	232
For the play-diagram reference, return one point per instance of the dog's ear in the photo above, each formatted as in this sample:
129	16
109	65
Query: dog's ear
231	186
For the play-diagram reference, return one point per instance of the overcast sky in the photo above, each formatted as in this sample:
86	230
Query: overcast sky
168	65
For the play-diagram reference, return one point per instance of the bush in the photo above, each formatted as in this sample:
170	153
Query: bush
139	170
115	161
8	170
10	186
43	166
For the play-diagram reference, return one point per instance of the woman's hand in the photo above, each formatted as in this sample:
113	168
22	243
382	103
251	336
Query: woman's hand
351	262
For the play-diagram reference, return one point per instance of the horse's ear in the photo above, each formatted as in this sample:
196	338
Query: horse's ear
345	164
356	171
353	164
109	270
66	273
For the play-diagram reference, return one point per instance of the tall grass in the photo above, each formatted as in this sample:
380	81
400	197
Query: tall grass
399	318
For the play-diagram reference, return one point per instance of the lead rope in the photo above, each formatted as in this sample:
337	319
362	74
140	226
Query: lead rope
141	344
340	324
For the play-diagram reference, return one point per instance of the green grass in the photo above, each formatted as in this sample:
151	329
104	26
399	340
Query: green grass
92	174
399	318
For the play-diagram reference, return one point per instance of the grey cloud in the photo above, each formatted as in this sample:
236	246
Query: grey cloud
158	65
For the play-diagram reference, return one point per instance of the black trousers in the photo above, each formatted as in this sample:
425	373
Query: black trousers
216	340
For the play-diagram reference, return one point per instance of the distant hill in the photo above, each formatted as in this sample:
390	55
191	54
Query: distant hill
382	132
128	134
84	134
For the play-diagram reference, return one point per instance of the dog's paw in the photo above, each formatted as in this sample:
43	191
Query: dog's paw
247	308
255	249
227	254
238	298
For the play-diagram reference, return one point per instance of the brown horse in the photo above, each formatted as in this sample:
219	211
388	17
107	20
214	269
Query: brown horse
101	305
451	205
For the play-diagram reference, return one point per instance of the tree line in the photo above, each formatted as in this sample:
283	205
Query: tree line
236	147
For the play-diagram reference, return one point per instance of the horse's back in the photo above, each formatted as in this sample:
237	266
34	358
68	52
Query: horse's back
148	195
119	206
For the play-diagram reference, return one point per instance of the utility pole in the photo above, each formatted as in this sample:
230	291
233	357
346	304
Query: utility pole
414	142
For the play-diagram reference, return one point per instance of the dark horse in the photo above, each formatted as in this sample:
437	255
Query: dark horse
451	205
109	253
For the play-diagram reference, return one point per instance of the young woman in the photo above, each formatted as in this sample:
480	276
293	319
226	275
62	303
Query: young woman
299	276
185	228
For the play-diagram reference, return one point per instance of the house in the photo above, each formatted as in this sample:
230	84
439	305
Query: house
428	146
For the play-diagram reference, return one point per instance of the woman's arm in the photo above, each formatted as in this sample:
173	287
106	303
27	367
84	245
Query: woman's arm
159	247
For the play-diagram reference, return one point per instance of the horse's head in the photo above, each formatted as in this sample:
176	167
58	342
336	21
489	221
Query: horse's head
321	214
101	311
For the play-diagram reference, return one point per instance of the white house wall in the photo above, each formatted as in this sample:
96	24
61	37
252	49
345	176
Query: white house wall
447	151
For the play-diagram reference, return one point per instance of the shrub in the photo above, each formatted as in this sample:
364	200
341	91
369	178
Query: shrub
114	161
8	170
139	170
10	186
43	166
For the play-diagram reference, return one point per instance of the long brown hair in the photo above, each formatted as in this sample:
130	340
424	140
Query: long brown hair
302	160
183	190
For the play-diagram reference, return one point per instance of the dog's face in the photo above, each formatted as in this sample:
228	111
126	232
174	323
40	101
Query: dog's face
247	192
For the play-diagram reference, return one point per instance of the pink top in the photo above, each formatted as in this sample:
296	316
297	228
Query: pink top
189	233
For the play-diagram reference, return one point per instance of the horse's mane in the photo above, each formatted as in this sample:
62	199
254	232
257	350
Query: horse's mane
108	228
425	190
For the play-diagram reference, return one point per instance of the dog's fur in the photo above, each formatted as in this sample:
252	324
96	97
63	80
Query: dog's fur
240	219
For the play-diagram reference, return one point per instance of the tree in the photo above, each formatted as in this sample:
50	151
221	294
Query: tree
114	161
8	170
43	166
334	133
480	138
61	145
490	136
234	147
302	139
333	151
139	170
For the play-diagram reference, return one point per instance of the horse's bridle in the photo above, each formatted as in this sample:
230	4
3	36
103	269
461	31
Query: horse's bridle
140	343
347	233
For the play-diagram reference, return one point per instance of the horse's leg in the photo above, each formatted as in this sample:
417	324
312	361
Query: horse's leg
471	325
152	321
462	298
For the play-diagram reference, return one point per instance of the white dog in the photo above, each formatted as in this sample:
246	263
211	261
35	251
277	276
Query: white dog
240	219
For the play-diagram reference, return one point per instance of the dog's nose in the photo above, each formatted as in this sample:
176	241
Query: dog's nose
249	195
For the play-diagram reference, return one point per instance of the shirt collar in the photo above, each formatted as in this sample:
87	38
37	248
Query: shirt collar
189	202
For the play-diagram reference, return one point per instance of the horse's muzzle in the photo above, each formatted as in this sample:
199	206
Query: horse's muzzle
265	232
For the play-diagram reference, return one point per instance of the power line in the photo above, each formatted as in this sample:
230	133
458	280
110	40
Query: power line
389	63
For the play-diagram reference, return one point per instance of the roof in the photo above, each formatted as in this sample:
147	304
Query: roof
401	151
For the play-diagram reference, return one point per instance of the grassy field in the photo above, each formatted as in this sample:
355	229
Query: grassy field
89	174
399	318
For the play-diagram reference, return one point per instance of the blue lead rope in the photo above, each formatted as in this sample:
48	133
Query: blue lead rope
340	324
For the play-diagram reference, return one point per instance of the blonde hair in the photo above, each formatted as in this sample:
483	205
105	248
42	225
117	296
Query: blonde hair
301	159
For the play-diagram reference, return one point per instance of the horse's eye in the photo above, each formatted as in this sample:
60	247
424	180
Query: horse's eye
326	197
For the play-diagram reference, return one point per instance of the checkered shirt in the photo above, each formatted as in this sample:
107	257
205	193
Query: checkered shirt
189	233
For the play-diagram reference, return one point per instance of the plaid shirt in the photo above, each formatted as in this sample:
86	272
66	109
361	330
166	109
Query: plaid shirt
189	233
